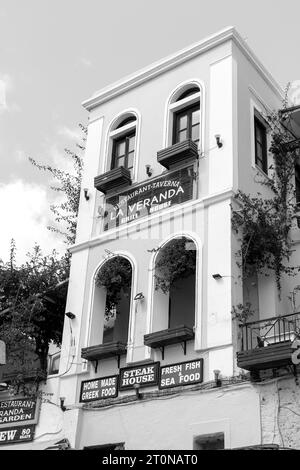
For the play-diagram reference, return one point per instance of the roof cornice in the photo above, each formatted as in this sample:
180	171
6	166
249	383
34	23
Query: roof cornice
168	63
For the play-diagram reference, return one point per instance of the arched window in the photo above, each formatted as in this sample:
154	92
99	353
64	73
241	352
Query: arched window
122	143
184	115
174	282
112	301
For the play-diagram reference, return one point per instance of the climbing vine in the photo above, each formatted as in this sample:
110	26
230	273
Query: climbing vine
264	224
115	276
176	260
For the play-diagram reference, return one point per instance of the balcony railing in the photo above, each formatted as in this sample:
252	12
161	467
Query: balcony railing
273	330
267	343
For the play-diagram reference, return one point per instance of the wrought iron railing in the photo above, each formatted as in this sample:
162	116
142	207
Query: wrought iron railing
258	334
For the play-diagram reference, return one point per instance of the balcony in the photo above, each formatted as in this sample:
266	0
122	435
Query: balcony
267	344
113	179
178	153
104	351
160	339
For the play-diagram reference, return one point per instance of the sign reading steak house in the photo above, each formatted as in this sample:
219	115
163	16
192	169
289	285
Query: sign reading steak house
146	199
144	375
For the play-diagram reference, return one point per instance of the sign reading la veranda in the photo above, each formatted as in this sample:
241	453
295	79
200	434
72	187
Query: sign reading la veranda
17	411
97	389
144	375
183	373
148	198
16	434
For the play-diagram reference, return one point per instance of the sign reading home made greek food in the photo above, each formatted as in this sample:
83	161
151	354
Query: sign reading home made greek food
16	434
98	389
144	375
148	198
17	411
183	373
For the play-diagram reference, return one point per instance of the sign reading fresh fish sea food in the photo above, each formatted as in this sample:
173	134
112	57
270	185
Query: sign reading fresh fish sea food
144	375
184	373
148	198
17	411
98	389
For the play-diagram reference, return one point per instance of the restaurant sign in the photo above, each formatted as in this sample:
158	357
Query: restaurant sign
148	198
98	389
17	434
144	375
19	410
183	373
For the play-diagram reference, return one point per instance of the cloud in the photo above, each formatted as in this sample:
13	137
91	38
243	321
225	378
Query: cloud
6	85
25	214
86	62
20	156
72	134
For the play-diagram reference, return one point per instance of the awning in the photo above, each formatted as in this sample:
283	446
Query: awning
290	119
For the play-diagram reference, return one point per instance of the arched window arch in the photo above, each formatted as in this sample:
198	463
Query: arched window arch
174	297
184	114
122	142
111	302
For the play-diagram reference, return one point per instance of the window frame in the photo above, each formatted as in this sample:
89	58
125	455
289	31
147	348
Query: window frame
187	111
116	141
259	124
51	359
176	105
114	132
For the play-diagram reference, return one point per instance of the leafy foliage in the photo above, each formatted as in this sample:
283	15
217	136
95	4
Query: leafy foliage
176	260
242	312
69	184
32	305
264	223
115	276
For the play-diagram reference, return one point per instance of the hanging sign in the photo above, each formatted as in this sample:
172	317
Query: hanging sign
144	375
16	434
19	410
98	389
183	373
148	198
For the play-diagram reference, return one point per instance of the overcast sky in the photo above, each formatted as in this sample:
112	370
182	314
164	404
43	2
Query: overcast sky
56	53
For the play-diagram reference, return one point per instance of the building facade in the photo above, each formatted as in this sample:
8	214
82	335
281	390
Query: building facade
167	149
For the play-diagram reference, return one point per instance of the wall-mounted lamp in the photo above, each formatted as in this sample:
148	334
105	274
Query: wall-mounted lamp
218	140
149	170
217	276
139	296
62	406
3	386
86	194
100	211
218	381
70	315
139	395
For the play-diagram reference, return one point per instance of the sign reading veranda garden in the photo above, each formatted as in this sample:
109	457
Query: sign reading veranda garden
148	198
17	411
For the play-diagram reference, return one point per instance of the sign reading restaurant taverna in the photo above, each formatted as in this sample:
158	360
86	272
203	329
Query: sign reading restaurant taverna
148	198
17	411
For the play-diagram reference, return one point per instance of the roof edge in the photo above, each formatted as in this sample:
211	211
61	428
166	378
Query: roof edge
173	60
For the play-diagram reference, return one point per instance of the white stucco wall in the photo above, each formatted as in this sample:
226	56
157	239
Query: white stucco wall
173	422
